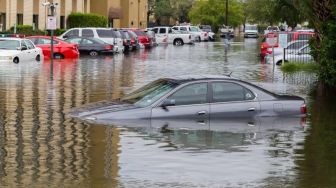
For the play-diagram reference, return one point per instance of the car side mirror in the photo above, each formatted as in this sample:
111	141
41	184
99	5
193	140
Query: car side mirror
24	48
168	102
65	36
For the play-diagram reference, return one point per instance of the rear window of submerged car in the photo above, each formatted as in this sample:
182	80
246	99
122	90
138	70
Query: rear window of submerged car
140	33
104	33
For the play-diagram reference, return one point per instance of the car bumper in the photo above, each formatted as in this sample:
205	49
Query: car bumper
255	35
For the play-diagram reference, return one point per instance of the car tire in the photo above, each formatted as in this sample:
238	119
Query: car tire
38	58
178	42
16	60
58	56
93	53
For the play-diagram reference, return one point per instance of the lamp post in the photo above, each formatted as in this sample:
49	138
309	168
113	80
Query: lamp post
51	25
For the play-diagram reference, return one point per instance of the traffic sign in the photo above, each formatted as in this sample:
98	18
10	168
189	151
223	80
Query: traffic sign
51	24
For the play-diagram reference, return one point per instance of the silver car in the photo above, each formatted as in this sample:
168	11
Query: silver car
198	98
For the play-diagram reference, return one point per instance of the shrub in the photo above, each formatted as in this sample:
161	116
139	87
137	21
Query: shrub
25	30
86	20
59	32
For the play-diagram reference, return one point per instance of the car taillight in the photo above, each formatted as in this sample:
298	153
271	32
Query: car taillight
108	47
262	46
205	34
125	42
303	109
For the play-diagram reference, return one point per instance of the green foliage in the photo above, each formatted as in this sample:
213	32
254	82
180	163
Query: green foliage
25	30
213	12
292	67
59	31
86	20
324	51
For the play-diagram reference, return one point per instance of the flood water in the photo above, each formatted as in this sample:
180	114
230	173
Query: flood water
41	146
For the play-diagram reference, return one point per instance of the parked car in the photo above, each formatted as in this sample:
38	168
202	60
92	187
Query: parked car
62	49
134	40
91	46
251	31
226	30
207	28
166	35
199	35
292	47
17	50
152	37
273	29
107	35
143	38
302	55
197	98
127	40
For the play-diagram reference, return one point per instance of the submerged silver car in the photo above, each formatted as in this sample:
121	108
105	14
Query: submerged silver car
195	97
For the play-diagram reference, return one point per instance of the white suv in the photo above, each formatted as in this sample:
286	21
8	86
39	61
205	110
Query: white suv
107	35
164	35
196	31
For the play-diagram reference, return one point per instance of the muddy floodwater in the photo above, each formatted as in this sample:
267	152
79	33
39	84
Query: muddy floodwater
42	146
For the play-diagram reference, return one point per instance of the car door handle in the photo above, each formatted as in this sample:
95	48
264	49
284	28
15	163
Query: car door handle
251	109
200	113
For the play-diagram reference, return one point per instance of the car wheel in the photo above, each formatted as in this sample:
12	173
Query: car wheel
38	58
178	42
16	60
279	62
58	56
93	53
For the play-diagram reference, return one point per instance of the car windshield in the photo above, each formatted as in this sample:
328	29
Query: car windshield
194	29
140	33
251	27
9	44
150	93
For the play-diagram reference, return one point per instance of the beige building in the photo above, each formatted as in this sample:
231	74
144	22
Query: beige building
121	13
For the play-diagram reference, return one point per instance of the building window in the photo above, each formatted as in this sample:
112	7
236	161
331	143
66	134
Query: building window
19	19
2	21
62	22
36	21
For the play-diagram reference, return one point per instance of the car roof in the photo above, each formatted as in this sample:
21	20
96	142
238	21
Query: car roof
190	78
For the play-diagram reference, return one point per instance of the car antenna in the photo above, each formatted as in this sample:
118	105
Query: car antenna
229	75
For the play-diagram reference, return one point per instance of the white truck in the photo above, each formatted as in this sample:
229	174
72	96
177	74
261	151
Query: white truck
166	35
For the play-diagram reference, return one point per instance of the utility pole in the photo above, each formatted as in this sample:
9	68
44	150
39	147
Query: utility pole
226	12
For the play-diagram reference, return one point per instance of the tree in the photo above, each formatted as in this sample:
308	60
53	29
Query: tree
212	12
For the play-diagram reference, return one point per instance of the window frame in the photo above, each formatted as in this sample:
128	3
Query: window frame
211	93
186	85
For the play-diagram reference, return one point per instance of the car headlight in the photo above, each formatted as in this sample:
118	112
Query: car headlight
6	57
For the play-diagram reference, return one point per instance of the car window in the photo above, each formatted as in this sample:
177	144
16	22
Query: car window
23	44
175	28
34	40
305	50
45	41
87	33
104	33
155	30
191	94
86	41
30	44
194	29
73	33
170	30
74	40
162	30
117	34
304	37
183	29
9	44
226	92
296	45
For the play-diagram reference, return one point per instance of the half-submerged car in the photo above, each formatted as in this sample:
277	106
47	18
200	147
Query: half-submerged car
195	97
17	50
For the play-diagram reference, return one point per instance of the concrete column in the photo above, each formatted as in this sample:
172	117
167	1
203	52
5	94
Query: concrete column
28	12
68	10
11	9
58	12
88	8
80	5
42	15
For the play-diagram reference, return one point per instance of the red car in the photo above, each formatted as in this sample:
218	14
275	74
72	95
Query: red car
62	49
143	38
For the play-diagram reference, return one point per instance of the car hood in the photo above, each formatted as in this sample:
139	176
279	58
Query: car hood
9	52
104	107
